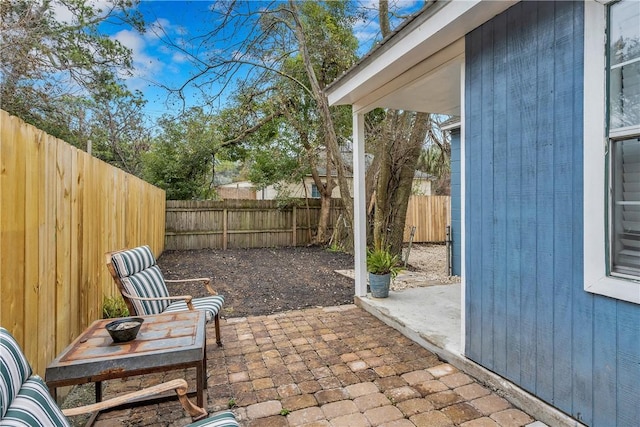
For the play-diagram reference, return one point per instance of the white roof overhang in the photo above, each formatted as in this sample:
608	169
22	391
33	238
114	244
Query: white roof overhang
418	68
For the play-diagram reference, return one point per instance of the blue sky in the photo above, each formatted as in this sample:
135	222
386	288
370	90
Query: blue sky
156	64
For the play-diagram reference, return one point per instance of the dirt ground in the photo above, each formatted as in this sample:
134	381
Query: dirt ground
270	280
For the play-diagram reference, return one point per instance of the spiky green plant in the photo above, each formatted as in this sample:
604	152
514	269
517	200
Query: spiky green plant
382	261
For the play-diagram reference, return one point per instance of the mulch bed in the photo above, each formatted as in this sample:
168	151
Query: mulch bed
263	281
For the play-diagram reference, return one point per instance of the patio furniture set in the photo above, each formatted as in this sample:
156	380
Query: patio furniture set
172	336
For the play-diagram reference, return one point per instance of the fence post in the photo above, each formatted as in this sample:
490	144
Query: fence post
448	245
224	230
295	238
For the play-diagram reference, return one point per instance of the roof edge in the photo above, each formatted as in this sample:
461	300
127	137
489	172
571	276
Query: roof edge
416	19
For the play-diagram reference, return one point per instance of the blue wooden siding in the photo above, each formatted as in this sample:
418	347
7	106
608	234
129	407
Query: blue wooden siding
456	224
528	317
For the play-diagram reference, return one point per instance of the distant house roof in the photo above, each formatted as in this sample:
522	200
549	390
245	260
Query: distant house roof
423	175
451	123
347	157
238	184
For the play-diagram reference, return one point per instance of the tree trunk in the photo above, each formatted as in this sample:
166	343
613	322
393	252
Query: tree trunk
400	199
384	185
325	189
404	133
331	139
398	150
323	220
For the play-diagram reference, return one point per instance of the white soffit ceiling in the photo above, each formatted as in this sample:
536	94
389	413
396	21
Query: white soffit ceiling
435	91
371	83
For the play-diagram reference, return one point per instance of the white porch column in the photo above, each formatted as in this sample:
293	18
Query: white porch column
463	215
359	206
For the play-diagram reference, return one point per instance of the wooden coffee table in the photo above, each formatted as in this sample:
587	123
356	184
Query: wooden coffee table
165	342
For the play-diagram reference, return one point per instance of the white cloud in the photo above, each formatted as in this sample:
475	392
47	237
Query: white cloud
152	58
131	39
162	28
145	66
179	58
63	14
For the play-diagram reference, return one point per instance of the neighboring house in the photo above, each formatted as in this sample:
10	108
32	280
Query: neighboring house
545	175
237	190
298	190
421	186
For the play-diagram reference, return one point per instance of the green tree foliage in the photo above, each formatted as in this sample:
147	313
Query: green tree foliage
397	139
116	130
57	67
279	58
181	156
192	153
435	159
275	161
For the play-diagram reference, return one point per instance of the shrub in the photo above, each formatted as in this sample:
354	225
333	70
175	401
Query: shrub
114	307
381	261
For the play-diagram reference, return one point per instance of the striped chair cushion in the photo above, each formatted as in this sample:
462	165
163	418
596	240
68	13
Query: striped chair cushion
133	261
14	369
34	406
211	305
148	284
223	419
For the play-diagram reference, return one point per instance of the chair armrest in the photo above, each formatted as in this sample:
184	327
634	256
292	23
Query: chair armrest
179	385
205	280
186	298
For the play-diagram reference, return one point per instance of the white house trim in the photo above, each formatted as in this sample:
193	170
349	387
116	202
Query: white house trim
404	92
463	215
455	125
595	237
359	207
434	31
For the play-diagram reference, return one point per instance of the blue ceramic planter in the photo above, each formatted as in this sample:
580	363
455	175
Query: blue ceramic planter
379	284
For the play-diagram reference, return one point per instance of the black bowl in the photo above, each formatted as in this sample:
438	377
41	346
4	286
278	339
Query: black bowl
125	329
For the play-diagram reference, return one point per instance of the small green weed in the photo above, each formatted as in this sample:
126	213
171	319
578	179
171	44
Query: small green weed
114	307
284	412
335	248
232	403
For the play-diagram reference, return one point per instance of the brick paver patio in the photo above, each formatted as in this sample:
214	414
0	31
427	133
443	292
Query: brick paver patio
336	366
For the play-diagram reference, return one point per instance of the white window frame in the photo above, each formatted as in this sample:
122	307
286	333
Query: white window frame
595	237
315	191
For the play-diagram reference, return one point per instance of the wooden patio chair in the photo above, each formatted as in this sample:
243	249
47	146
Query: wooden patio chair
25	398
145	292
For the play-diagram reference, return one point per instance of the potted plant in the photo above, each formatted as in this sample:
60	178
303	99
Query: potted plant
382	266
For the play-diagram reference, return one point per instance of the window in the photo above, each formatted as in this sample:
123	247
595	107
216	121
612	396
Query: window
623	55
625	208
623	82
315	194
611	149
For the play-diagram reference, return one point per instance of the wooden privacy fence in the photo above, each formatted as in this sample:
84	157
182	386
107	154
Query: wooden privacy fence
60	211
430	215
241	224
261	223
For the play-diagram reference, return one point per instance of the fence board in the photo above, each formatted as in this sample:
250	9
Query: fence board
75	323
12	218
13	237
60	211
430	215
63	251
31	238
46	255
